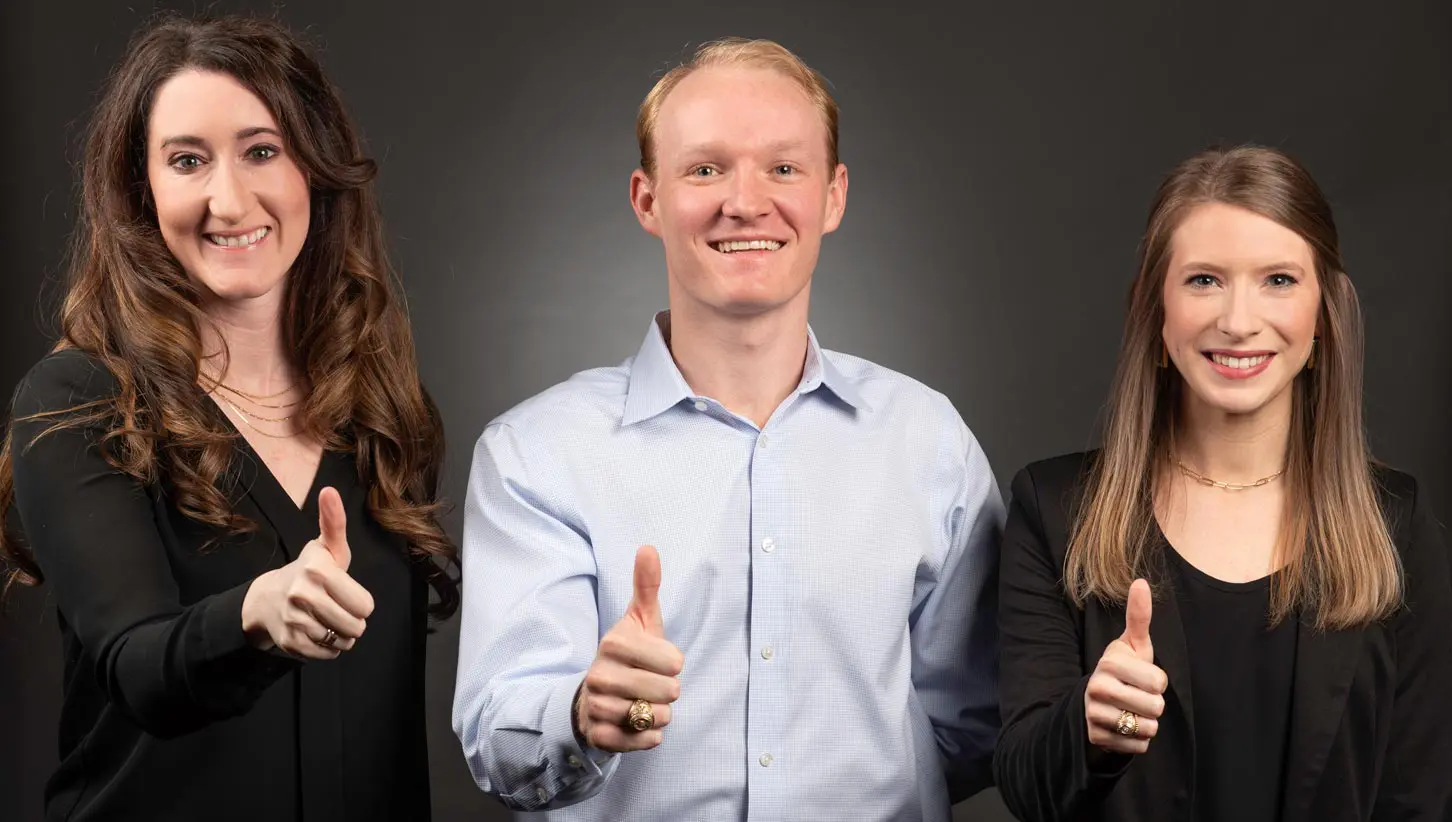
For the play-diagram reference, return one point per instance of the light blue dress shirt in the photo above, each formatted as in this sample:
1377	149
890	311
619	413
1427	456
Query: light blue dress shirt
830	579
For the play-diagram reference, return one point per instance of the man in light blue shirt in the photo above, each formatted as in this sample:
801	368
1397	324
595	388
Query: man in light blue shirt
810	629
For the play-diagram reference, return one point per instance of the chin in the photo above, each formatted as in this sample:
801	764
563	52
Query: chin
1235	403
235	288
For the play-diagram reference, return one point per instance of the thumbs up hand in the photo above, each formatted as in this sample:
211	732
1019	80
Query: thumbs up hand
634	661
1127	680
310	607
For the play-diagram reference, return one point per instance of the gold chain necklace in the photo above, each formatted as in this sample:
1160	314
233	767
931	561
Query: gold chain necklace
249	424
1228	486
258	401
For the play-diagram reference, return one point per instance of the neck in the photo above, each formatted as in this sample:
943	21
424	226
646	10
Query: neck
749	364
256	360
1236	448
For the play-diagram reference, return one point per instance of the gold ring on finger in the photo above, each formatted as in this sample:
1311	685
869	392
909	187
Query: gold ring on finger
1128	724
640	717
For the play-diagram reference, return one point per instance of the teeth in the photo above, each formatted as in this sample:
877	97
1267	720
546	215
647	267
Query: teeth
728	246
1239	362
239	241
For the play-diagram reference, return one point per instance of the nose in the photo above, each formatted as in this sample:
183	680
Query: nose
1238	316
746	197
229	197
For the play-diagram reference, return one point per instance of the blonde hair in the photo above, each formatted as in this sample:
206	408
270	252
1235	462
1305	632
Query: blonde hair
737	51
1339	565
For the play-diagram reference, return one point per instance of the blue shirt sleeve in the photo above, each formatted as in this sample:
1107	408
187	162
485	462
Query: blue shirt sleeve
530	628
954	624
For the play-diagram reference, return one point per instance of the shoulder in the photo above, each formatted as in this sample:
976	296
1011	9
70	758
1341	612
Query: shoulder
907	401
593	398
1396	492
61	381
1061	476
1408	514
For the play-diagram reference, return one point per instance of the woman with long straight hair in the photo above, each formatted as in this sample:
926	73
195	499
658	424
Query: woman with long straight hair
1229	611
226	470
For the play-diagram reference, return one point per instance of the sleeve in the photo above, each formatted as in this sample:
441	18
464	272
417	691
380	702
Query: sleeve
1043	762
170	668
529	632
1416	781
953	627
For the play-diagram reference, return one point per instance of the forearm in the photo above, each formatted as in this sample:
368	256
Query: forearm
520	743
1045	768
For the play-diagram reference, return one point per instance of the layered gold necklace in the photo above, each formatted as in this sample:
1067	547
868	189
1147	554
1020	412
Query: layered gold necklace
260	401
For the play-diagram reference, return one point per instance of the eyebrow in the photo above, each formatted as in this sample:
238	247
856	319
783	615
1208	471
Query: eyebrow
1219	269
197	142
772	148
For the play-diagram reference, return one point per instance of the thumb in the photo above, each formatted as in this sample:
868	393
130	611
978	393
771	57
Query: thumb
1137	620
645	603
333	527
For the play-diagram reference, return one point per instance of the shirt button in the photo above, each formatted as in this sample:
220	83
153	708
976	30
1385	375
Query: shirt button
700	405
767	652
543	794
765	760
575	761
761	441
768	545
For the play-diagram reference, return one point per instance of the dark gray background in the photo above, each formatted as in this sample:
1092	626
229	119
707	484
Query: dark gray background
1002	157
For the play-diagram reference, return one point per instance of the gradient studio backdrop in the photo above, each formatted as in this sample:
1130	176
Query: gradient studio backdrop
1002	156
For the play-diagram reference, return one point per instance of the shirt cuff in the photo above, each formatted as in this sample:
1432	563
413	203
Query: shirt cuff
575	762
231	672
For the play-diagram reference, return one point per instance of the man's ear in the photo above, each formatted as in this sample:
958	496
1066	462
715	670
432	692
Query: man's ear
836	199
642	199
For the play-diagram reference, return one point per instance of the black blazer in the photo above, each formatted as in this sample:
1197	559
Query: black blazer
168	713
1371	726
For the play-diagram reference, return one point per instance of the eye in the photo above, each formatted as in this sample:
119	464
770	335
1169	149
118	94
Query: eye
1281	280
1201	281
703	171
784	171
262	152
185	163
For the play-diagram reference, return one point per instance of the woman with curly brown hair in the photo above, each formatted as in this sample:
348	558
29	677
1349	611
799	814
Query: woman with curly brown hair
227	469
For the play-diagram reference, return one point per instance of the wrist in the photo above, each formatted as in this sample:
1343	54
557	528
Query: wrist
252	624
576	712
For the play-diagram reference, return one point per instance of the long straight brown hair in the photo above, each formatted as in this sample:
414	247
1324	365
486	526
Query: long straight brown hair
129	303
1339	566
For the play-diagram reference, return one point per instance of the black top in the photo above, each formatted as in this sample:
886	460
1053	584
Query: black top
1241	671
168	713
1370	722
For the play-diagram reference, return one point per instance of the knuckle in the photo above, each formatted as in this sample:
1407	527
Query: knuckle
677	661
611	645
596	680
673	689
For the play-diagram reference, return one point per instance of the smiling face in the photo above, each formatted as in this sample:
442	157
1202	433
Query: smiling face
743	189
1241	300
232	205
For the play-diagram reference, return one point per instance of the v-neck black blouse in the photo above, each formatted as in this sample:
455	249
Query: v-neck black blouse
168	713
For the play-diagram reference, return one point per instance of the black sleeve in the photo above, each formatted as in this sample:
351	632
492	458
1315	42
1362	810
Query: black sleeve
1042	764
1416	782
170	668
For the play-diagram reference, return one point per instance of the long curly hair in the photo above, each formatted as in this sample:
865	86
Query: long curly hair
129	303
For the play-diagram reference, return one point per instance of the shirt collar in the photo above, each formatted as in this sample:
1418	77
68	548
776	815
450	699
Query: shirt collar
656	384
